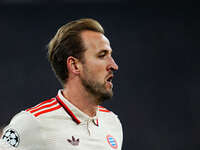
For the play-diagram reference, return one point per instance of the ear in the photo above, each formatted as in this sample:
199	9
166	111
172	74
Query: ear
73	65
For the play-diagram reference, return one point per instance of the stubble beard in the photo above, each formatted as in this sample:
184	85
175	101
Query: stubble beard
97	89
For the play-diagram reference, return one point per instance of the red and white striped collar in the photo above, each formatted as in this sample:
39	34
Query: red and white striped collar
76	114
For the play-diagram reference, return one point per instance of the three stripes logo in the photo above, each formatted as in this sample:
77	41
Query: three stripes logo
73	141
112	142
44	107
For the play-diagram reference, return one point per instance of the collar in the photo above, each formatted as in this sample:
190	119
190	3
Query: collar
76	114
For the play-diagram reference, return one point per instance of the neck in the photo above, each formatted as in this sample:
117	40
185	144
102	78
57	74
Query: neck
79	97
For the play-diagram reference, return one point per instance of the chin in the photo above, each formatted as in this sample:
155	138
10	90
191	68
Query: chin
105	96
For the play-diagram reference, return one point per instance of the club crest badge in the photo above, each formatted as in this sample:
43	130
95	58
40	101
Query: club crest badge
11	137
112	141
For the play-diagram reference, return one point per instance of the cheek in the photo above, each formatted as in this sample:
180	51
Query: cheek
97	69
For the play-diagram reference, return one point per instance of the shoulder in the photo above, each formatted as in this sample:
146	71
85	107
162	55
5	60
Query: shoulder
27	126
106	112
112	122
44	108
108	115
23	131
22	120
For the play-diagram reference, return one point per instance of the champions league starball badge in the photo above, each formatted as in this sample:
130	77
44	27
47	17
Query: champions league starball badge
11	137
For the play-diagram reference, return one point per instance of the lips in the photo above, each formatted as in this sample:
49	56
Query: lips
109	80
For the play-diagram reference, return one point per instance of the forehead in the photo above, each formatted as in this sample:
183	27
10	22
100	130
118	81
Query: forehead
95	41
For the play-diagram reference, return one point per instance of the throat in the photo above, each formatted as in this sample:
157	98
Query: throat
84	103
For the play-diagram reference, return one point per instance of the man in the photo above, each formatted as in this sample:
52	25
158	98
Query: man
80	56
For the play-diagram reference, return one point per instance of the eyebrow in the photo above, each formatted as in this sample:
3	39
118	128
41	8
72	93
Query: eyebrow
105	51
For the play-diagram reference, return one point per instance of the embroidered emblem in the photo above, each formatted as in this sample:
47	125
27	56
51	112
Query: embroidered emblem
73	141
111	141
11	137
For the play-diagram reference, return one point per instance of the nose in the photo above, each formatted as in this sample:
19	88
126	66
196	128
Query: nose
112	65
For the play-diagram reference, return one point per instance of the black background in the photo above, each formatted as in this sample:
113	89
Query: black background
156	45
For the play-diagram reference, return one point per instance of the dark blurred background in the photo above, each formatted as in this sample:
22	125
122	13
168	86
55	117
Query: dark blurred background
156	45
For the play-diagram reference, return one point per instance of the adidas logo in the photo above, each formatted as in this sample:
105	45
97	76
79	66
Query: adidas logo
73	141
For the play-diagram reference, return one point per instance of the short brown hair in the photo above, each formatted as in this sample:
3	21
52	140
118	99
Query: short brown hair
67	42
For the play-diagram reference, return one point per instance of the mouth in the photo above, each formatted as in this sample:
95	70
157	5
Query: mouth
109	80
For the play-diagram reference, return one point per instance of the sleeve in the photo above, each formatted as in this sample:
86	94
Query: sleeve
5	146
23	133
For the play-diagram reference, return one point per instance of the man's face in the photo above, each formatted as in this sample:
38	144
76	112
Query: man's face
97	70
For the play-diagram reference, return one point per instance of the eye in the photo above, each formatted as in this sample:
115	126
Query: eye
102	54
